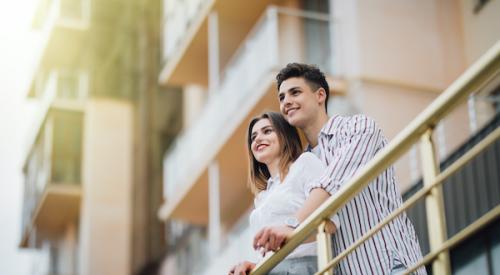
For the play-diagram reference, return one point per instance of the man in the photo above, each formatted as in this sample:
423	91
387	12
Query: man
345	144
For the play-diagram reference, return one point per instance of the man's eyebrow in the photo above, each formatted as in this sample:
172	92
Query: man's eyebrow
289	90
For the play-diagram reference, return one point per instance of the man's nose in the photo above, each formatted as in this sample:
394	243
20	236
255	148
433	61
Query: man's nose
286	101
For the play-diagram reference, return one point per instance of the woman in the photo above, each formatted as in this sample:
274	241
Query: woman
280	178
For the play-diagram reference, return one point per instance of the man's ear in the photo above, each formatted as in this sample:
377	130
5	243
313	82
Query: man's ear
321	95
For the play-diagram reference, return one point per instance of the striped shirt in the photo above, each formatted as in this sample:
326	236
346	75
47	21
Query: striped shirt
345	145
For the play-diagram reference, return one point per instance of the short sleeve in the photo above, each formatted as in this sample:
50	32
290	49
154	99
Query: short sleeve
312	170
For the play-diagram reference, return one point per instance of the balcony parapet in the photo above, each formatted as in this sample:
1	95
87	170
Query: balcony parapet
52	170
178	18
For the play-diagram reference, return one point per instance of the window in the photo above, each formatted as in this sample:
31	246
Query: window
68	87
71	85
479	4
72	9
67	147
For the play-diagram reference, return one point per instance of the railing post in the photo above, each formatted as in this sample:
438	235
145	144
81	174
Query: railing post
436	223
324	242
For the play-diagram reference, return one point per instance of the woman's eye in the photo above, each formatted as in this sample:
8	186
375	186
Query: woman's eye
267	131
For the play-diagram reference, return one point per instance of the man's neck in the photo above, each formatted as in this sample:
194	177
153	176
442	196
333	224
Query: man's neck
311	131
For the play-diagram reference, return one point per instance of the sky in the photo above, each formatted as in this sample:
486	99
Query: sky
18	45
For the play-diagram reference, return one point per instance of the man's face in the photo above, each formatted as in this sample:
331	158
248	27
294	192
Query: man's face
299	104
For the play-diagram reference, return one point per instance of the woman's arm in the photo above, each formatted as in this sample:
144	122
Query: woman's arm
273	237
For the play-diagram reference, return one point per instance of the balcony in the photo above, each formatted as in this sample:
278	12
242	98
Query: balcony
246	88
62	25
52	190
185	35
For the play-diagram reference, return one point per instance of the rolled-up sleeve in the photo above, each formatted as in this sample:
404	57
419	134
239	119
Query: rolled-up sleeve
356	144
312	170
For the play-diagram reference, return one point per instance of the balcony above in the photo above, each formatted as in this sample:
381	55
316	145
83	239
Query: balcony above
246	89
52	187
185	35
59	206
63	26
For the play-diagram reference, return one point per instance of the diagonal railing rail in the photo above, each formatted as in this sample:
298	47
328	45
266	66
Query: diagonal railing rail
421	128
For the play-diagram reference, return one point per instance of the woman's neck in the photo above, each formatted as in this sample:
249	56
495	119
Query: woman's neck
273	167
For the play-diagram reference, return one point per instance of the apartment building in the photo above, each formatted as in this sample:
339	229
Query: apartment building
93	163
386	59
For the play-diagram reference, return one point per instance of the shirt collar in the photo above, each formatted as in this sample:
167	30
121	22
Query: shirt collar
272	180
327	129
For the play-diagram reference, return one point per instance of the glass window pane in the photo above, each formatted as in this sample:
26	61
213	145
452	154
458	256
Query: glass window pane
72	9
67	147
68	86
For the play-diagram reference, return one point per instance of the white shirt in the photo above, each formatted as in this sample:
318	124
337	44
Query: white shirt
282	200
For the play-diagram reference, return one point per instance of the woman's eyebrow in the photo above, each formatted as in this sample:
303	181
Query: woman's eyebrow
265	127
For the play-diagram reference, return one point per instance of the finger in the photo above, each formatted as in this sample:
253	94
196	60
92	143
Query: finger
264	238
280	240
257	238
272	242
248	267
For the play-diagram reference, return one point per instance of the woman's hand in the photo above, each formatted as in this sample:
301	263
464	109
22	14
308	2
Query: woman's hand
242	268
271	238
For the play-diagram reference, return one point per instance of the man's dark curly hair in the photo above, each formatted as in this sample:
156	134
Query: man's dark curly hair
313	76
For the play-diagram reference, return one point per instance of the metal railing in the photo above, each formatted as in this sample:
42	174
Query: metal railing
421	128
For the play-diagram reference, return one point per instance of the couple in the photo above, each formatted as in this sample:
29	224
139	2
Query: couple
290	184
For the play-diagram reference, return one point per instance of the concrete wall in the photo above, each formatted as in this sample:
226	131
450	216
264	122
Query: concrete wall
481	29
398	57
105	224
195	97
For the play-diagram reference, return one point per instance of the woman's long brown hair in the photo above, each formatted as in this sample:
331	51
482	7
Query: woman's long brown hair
290	150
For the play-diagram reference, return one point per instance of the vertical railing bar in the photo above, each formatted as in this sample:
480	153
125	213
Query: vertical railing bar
324	245
434	205
487	218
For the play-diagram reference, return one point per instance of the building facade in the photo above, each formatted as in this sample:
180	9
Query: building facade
386	59
93	165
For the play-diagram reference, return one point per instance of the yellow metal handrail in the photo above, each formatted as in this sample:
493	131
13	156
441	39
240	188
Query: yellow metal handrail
472	80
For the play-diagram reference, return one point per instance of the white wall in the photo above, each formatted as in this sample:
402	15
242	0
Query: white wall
105	221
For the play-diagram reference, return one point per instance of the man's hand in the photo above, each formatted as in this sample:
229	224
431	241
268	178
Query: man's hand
272	238
242	268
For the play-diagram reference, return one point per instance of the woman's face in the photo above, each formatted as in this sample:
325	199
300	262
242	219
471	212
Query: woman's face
265	144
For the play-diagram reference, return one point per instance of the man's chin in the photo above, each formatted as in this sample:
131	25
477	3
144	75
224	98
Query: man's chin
294	121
